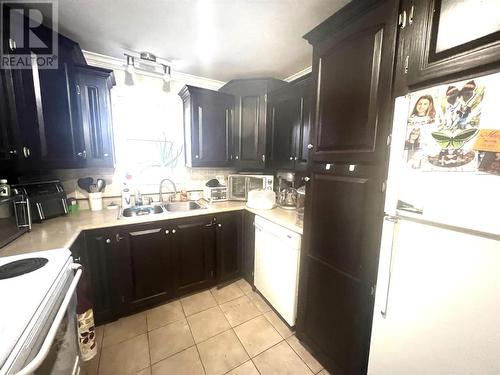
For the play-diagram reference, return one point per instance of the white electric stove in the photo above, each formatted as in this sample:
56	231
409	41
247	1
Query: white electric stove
37	314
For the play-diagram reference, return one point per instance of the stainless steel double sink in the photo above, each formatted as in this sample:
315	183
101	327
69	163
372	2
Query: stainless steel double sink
156	209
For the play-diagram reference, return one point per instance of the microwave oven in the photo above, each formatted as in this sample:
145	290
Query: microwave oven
240	184
15	218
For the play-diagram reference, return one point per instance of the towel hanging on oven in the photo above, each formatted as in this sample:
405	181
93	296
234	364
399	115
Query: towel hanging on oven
85	319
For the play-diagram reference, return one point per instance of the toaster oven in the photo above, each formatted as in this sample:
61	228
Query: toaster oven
14	218
47	199
215	194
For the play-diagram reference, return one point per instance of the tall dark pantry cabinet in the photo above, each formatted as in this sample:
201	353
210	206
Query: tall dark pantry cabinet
353	57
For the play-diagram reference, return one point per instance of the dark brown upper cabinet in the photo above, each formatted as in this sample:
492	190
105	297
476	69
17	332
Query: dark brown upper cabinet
450	37
94	145
10	137
9	147
353	55
250	120
208	117
58	129
52	125
288	130
403	48
40	104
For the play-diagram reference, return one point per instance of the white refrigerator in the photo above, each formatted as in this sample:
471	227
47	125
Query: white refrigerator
437	303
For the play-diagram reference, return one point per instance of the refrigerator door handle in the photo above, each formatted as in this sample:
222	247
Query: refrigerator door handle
395	220
392	219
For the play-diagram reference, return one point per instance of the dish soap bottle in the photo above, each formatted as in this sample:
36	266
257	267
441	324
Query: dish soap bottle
126	194
4	188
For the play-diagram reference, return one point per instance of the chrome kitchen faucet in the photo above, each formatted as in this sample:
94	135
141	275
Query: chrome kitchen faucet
160	198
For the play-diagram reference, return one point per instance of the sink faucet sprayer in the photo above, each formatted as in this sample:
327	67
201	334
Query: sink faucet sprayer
161	186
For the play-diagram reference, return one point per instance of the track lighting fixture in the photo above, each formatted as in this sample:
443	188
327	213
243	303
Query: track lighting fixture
166	78
129	71
149	64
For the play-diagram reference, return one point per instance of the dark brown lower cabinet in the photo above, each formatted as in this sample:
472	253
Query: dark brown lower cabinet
248	246
134	267
228	242
338	265
193	253
145	264
99	259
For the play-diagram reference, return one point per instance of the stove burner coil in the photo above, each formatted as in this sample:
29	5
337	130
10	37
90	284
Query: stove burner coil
20	267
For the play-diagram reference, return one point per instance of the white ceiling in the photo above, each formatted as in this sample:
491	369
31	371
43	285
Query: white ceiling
218	39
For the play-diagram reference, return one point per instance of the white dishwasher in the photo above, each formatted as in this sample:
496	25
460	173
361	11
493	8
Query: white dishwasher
276	274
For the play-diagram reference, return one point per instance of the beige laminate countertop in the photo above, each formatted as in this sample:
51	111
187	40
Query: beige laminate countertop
61	232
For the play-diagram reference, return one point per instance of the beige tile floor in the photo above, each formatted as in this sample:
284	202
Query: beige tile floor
230	330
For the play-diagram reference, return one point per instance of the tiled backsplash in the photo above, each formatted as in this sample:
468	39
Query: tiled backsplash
194	179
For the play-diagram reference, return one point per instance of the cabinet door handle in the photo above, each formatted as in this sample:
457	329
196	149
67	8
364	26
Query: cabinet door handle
118	238
173	231
219	225
65	205
395	231
402	20
167	232
108	240
40	210
12	44
310	146
13	152
291	157
307	179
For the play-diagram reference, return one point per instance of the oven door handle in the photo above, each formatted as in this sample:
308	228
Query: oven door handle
45	349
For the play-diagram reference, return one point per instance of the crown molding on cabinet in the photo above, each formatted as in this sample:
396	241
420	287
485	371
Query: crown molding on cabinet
299	74
104	61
